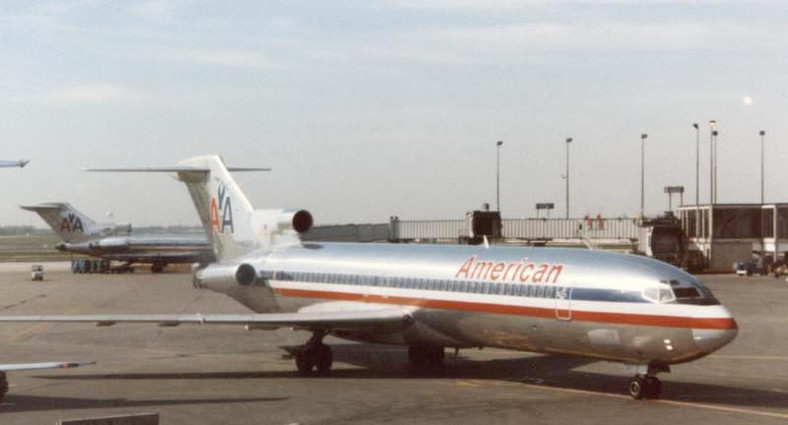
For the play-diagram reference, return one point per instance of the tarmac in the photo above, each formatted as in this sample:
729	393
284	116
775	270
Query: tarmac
226	375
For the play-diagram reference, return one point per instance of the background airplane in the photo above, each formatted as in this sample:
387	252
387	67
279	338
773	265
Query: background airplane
32	366
598	305
20	163
82	235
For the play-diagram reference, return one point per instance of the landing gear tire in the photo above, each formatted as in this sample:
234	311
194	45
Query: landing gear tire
316	358
325	358
3	385
637	387
653	387
305	361
645	387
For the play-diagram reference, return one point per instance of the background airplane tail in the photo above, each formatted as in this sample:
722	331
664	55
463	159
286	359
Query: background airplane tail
70	224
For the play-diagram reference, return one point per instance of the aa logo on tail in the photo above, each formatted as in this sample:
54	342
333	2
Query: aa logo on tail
72	224
222	210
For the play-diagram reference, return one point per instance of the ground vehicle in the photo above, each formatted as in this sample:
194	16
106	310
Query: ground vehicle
742	268
37	272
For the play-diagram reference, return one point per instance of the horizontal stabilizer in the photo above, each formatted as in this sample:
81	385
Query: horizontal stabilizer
53	206
171	169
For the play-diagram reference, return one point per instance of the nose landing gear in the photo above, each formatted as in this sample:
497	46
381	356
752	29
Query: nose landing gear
647	385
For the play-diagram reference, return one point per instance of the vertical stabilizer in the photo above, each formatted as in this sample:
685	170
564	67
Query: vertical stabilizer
224	210
70	224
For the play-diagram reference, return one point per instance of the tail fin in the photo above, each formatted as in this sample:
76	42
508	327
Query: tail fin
70	224
233	227
225	212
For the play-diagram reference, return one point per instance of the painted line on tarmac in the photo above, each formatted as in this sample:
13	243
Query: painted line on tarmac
42	326
626	397
724	408
470	384
784	358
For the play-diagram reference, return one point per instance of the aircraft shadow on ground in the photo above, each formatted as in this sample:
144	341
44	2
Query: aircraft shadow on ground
386	362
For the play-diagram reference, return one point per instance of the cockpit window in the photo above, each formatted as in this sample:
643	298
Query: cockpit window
661	294
686	293
693	291
687	290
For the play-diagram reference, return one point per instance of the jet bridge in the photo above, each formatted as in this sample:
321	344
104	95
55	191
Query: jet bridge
720	234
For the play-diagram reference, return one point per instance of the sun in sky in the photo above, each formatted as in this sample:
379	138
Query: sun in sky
747	101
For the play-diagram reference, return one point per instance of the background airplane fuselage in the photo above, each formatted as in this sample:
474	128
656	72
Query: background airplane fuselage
601	305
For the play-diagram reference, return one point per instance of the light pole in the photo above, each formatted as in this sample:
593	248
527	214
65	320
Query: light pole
697	178
498	175
697	163
712	123
568	141
763	133
716	190
642	175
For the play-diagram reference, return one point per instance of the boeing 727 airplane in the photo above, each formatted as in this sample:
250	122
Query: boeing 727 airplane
111	241
599	305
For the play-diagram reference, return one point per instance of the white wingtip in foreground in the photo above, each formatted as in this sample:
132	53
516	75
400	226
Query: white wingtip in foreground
599	305
33	366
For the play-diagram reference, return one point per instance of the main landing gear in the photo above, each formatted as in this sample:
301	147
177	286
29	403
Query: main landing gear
314	356
3	385
425	358
647	385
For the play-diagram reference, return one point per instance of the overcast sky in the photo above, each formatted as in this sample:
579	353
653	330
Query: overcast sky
370	109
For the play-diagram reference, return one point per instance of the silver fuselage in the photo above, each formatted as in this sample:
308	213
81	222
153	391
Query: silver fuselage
602	305
144	249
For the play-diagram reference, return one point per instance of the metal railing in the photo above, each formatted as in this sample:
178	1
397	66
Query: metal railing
527	228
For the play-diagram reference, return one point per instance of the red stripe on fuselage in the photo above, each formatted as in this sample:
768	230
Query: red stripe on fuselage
546	313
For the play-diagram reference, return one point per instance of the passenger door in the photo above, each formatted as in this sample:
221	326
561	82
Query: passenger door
563	303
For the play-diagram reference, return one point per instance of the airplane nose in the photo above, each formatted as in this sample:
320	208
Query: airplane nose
712	333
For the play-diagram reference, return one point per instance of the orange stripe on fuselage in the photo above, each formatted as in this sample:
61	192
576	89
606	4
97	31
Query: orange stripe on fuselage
546	313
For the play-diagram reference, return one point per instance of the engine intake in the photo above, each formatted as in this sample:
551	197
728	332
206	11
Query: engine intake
246	274
300	221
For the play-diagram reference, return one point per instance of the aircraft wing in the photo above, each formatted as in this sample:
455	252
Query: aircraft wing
47	365
352	320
